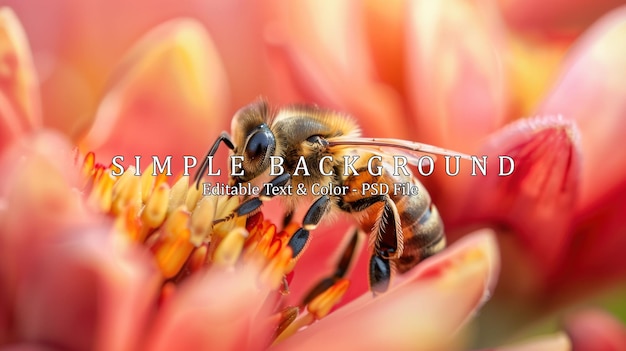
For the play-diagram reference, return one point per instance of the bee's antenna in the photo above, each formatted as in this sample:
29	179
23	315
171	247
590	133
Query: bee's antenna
224	137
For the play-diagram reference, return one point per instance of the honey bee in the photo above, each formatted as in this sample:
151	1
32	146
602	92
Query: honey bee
404	229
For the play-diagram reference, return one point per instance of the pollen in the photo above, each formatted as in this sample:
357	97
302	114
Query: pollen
229	249
185	230
155	209
172	247
188	233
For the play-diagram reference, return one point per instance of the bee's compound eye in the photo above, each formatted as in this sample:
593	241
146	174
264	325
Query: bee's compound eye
260	144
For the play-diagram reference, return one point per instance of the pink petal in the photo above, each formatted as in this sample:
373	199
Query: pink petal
318	50
425	308
456	83
216	311
169	98
596	330
93	291
37	201
19	88
592	93
536	201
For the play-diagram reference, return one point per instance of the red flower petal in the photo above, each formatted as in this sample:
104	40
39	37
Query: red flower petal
537	200
425	308
592	93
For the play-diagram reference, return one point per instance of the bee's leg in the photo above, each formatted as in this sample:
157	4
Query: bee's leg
224	137
379	272
340	271
387	242
387	234
315	213
253	204
311	219
386	239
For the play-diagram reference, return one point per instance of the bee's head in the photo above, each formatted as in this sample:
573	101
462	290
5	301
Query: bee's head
254	140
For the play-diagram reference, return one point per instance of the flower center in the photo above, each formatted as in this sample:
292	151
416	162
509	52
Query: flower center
188	233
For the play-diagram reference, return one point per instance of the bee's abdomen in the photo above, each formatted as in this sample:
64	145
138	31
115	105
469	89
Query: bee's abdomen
422	239
422	226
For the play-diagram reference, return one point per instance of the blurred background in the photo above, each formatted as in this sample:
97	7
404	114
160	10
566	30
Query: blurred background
451	73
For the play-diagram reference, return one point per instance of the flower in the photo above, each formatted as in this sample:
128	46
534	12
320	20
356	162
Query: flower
451	74
75	280
92	261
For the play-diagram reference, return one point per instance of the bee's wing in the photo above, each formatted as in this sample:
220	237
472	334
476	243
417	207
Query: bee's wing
386	146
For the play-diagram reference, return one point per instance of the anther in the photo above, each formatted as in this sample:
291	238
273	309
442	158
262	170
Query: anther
178	195
229	248
126	192
272	275
321	305
147	183
173	247
155	210
201	224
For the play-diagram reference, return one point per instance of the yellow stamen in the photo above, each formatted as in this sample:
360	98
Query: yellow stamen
288	232
173	247
229	249
285	318
101	196
193	197
202	220
324	302
188	232
128	224
178	195
126	192
274	248
154	212
226	206
198	259
147	183
318	308
272	275
306	320
257	252
89	162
